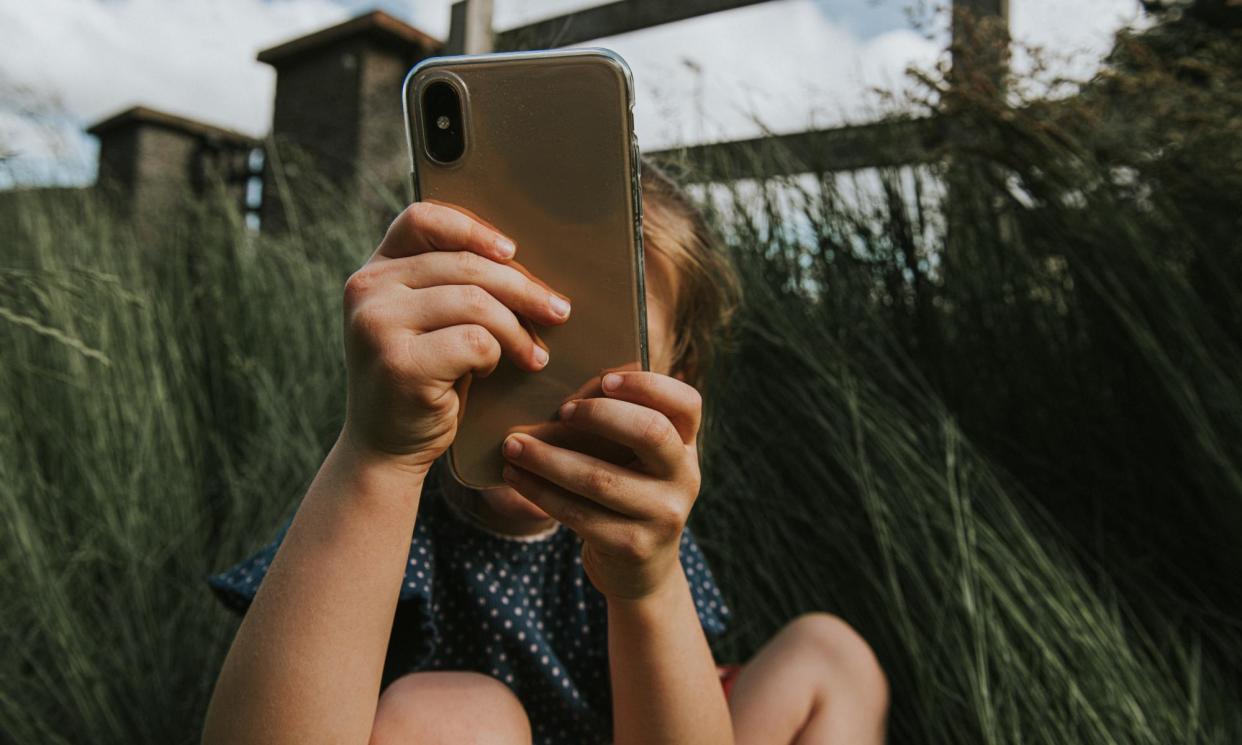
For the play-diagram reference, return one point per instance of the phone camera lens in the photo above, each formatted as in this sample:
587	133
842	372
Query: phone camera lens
442	129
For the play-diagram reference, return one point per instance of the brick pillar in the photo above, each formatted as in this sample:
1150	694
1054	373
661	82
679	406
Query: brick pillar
337	126
151	162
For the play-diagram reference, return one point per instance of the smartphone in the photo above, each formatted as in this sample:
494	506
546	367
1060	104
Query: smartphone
541	146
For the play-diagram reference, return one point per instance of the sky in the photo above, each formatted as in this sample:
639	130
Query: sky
780	66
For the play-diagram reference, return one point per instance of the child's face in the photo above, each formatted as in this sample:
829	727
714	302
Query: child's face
504	501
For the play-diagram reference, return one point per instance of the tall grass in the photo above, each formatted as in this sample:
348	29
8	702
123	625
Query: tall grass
995	430
993	407
165	397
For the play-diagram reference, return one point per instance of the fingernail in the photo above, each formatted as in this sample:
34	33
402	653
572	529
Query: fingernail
567	409
611	382
512	447
560	306
504	247
541	356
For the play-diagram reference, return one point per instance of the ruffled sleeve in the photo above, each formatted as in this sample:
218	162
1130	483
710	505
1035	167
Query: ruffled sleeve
713	613
414	635
236	586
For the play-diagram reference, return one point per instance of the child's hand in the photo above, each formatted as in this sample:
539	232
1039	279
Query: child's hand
629	517
440	298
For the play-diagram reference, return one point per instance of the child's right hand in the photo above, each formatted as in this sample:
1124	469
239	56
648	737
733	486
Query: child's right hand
439	299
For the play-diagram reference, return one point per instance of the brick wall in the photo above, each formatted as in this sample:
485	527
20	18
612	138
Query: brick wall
338	124
152	163
383	162
314	130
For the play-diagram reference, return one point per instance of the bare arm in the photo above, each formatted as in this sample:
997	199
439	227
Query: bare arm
664	683
631	518
306	663
437	301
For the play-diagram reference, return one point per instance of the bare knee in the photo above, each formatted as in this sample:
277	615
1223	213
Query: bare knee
449	707
849	666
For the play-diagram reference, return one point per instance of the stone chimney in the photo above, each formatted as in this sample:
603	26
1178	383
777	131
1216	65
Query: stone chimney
151	161
337	122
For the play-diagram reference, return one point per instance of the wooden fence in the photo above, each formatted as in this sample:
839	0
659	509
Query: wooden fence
878	144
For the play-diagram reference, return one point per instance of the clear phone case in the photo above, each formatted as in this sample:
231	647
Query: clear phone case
550	160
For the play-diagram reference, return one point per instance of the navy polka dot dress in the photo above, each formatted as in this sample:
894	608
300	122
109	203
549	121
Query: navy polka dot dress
518	609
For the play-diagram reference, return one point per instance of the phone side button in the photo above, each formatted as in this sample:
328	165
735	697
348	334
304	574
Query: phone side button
637	165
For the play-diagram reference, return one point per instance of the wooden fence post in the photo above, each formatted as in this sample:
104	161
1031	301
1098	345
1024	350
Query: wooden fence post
470	28
980	43
980	52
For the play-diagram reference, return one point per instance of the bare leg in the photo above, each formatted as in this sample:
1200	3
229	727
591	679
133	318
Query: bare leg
449	707
815	683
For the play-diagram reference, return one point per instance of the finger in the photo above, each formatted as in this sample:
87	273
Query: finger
586	518
678	401
614	487
647	432
590	388
447	354
430	308
427	226
519	292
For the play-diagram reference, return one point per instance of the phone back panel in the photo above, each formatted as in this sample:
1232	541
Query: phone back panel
551	161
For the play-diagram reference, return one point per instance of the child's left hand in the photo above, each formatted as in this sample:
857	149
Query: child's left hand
630	517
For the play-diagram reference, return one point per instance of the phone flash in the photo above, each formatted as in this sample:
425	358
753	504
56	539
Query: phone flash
443	122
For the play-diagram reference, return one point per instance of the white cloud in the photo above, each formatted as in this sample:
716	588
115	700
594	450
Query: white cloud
783	65
96	58
1073	34
190	57
789	63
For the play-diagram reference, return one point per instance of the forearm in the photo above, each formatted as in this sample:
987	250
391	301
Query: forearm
665	688
306	664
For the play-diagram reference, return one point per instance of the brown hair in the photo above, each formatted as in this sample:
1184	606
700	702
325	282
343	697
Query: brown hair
708	288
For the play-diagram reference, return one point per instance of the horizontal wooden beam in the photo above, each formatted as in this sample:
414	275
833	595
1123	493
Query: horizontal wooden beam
611	19
878	145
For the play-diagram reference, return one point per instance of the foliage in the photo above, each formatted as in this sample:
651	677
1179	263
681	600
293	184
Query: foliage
986	411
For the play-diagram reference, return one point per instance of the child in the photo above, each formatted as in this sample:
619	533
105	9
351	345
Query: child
570	606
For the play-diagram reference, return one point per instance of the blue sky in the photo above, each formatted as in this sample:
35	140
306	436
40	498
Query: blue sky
783	66
864	18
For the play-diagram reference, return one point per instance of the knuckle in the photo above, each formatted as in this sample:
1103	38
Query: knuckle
366	325
599	481
477	300
671	515
477	234
694	482
574	515
427	395
409	223
359	285
469	266
478	340
694	399
655	429
636	544
393	359
587	409
417	214
533	295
